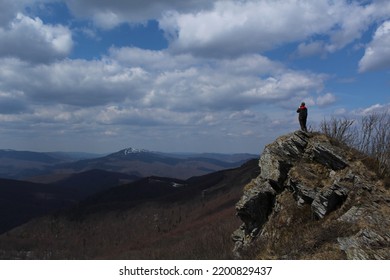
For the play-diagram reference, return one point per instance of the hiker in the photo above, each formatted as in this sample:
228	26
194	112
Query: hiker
302	110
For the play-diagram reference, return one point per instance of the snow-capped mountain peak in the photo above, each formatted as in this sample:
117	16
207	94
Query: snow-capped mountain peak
129	151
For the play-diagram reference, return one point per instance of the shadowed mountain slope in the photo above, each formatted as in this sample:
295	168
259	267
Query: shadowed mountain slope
22	164
21	201
152	218
93	181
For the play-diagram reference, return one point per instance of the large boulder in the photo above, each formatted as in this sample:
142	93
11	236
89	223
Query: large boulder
315	187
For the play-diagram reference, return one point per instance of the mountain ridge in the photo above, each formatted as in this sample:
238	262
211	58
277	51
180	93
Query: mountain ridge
321	190
31	166
152	218
308	196
24	200
21	201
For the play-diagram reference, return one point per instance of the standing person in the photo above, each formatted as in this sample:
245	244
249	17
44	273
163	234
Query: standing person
302	110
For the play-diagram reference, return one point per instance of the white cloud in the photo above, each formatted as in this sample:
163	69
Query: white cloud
377	53
226	28
74	82
217	85
108	14
340	111
232	28
326	99
311	49
374	109
213	82
9	9
128	89
31	40
12	102
284	88
183	82
153	60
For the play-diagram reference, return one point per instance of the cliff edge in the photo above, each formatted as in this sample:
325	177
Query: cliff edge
314	199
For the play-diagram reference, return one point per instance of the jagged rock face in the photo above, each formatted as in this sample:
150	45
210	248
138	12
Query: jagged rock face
321	192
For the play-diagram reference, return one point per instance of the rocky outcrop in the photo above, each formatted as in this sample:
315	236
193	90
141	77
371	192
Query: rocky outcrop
321	192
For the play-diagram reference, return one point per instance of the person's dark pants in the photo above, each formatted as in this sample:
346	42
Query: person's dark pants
302	123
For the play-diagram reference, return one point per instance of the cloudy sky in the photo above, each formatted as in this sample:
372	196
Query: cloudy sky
185	76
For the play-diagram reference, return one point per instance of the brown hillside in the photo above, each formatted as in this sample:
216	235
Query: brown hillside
193	221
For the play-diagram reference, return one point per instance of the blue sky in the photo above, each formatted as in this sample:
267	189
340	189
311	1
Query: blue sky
185	76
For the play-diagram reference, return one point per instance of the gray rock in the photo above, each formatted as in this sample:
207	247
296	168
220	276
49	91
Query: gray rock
278	158
255	206
366	244
328	200
353	214
302	193
321	177
328	157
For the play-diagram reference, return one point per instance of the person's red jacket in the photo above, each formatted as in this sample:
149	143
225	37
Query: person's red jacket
302	110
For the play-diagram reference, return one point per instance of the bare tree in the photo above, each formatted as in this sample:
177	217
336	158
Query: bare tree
371	136
340	129
367	129
380	142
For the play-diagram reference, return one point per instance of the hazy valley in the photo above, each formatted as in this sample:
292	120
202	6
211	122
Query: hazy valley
35	184
334	197
150	218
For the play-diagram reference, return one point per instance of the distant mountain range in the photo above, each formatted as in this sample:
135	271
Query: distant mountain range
34	184
304	184
23	164
52	167
150	218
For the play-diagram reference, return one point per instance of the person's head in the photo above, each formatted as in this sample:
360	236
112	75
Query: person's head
303	104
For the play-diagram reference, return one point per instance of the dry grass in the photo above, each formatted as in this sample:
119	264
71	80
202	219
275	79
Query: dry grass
292	233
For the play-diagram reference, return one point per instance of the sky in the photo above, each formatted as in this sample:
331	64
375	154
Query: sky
185	76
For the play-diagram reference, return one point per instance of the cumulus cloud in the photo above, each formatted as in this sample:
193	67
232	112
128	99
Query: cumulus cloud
74	82
183	82
284	88
135	116
311	49
31	40
108	14
214	79
374	109
12	103
127	86
232	28
326	99
9	9
377	53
